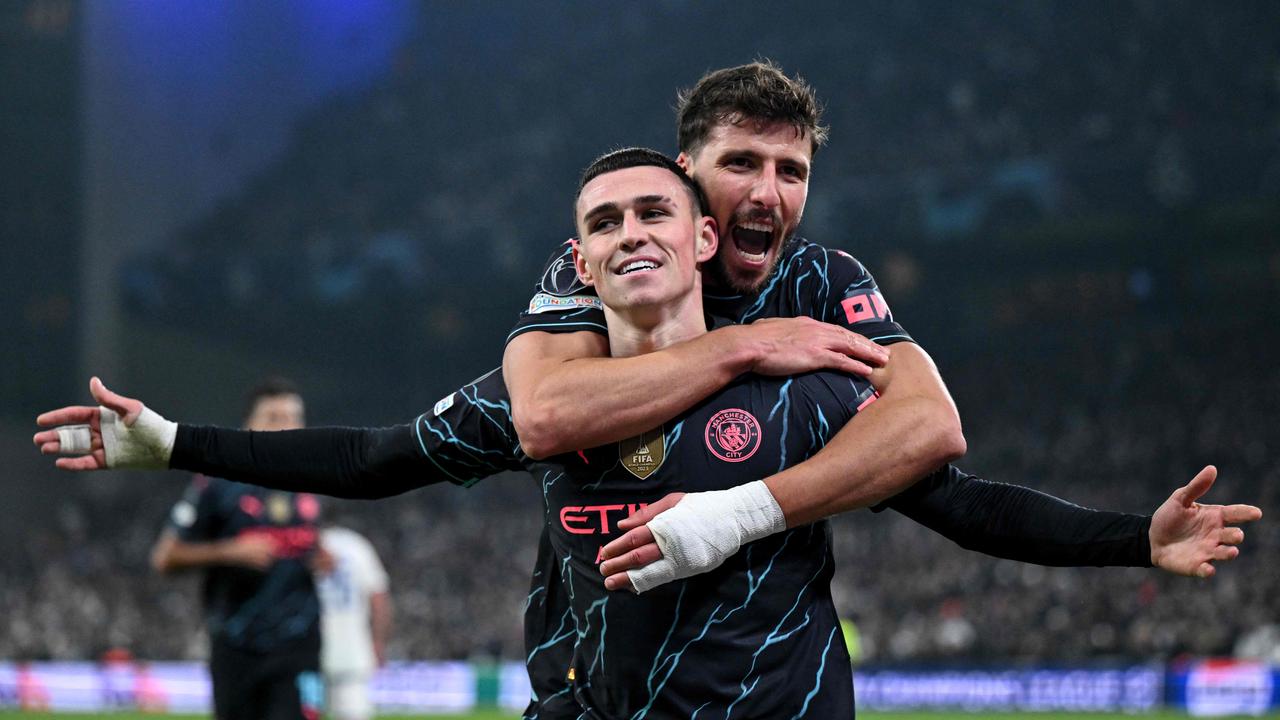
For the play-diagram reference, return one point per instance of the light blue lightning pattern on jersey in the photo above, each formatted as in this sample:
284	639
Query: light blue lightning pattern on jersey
777	635
547	482
671	661
502	424
754	628
470	434
783	404
562	632
817	679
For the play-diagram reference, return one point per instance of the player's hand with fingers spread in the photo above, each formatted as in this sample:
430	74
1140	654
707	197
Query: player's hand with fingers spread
693	534
119	433
1187	537
790	346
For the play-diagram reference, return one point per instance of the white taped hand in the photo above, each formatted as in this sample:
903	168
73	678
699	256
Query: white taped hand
146	445
75	440
704	529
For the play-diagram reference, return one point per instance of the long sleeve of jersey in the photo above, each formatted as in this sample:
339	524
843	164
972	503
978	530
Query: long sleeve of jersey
467	436
1018	523
343	462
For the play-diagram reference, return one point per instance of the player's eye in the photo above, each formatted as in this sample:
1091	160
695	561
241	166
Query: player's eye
603	225
740	162
654	214
793	171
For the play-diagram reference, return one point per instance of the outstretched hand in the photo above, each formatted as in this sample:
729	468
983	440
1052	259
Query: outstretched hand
93	456
1187	537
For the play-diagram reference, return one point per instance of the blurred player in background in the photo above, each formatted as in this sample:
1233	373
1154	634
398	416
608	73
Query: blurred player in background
355	622
258	549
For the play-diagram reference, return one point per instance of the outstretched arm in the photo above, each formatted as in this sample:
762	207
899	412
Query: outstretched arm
343	462
1183	537
567	395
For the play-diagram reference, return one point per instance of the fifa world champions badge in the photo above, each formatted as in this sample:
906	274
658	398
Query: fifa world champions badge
644	453
733	435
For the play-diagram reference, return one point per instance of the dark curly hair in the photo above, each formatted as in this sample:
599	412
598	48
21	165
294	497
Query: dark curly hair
759	93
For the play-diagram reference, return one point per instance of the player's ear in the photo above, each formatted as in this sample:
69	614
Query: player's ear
580	264
708	238
684	161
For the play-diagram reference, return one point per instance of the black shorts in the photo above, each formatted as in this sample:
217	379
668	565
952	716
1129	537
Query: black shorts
284	685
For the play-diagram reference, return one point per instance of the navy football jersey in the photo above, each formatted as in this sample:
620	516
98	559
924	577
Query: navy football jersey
813	281
758	636
828	285
470	435
550	634
779	585
245	608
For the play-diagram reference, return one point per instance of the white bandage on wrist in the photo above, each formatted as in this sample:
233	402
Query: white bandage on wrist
146	445
704	529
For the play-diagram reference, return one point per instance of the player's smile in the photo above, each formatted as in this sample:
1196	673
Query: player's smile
641	239
637	265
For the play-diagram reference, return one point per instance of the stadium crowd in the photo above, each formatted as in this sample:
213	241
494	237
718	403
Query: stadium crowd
381	193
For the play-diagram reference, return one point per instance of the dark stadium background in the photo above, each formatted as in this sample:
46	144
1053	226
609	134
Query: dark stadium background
1072	206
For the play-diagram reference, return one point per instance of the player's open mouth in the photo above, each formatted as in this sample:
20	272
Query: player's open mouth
637	265
752	240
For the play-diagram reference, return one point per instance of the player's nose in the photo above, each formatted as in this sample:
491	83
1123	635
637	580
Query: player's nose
764	191
633	232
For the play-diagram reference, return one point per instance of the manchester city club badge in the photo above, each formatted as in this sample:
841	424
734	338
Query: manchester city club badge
644	453
733	435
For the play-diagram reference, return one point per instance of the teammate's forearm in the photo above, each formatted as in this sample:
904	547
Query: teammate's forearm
885	449
342	462
586	402
1018	523
912	430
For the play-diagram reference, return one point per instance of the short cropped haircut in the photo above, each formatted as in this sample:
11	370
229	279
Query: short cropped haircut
273	386
640	157
759	93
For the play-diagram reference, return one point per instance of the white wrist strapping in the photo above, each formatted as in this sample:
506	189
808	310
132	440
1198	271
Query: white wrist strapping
146	445
704	529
